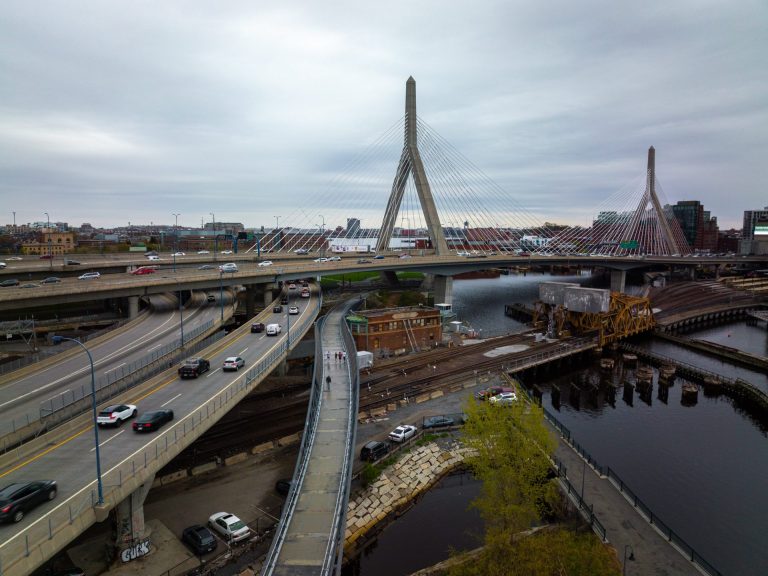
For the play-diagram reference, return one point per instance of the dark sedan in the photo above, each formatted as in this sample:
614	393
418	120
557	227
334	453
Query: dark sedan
9	282
50	280
19	498
150	421
200	539
437	422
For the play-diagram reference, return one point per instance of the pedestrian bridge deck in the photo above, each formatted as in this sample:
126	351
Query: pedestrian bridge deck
311	538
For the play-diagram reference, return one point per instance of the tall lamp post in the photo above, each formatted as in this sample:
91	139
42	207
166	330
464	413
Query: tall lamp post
50	256
277	233
58	340
176	238
215	238
221	293
322	236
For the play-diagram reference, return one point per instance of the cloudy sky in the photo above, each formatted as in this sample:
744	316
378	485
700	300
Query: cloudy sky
116	112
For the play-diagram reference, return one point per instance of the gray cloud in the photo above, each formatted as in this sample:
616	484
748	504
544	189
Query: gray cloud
113	112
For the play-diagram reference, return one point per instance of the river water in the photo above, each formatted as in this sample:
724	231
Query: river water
703	469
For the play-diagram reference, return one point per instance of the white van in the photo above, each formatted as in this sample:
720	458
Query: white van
273	329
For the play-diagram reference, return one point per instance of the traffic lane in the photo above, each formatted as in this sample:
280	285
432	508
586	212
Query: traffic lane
72	375
67	463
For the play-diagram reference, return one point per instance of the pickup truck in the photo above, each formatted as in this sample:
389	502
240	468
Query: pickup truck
193	367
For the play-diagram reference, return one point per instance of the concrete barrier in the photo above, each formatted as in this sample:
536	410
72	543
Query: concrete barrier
436	394
263	447
172	477
235	458
203	468
421	398
288	440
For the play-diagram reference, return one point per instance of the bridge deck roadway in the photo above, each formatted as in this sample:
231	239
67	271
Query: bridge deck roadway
309	537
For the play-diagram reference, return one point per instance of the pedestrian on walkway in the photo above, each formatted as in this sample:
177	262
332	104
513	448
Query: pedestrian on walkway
327	382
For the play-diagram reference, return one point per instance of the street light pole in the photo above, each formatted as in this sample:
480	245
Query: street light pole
277	233
215	238
50	256
322	237
221	294
58	340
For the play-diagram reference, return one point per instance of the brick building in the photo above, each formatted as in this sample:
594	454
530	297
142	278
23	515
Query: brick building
60	243
396	330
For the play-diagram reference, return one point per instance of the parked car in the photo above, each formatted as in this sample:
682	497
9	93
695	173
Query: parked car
265	263
402	433
228	267
257	327
283	486
491	392
277	309
293	310
504	399
200	539
229	526
151	421
193	367
20	497
437	422
143	270
233	363
89	276
50	280
374	450
9	282
116	414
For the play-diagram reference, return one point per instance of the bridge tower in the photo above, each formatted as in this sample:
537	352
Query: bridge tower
671	243
410	163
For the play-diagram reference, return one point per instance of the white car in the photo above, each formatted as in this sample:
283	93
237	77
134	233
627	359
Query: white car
301	251
152	257
292	286
228	267
293	310
178	254
233	363
226	251
320	260
504	399
203	252
229	526
89	276
334	259
402	433
15	258
115	415
265	263
2	264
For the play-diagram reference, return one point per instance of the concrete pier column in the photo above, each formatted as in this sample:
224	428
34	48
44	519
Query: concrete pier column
282	368
269	293
443	289
692	273
253	293
129	520
133	306
618	280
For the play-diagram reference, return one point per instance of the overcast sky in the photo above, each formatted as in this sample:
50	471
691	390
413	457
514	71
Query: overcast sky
116	112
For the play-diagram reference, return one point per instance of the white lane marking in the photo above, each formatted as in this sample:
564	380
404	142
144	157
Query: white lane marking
243	351
212	372
115	368
92	484
153	347
171	400
108	440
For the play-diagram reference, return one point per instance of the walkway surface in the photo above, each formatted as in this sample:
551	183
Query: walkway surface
309	541
624	525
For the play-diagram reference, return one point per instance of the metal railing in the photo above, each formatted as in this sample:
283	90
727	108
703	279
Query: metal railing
636	502
123	478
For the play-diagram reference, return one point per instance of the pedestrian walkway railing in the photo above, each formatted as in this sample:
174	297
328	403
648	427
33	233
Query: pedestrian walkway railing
586	509
53	531
633	499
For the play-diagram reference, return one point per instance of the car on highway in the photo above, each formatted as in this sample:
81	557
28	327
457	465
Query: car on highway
71	263
229	526
20	497
46	257
305	293
403	256
9	282
50	280
201	252
89	276
402	433
437	422
30	285
301	251
257	327
193	367
334	259
293	310
2	265
284	300
504	399
364	261
226	251
116	414
292	286
178	254
273	329
228	267
206	267
143	270
320	260
153	257
379	257
233	363
16	258
265	263
200	539
151	421
210	298
277	309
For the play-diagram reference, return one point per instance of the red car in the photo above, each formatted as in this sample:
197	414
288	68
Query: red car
46	257
143	270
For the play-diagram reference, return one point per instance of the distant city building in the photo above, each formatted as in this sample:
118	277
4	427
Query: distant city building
353	226
699	227
55	243
751	217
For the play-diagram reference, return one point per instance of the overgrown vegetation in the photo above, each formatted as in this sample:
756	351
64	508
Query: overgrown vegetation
510	455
